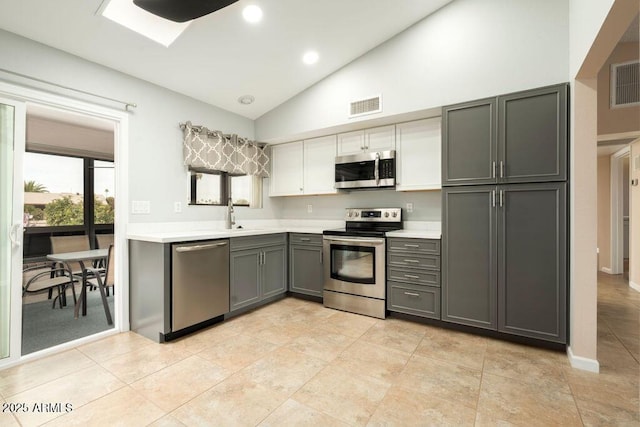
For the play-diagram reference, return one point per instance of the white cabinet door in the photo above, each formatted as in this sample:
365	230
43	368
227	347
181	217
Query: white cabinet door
351	143
286	169
380	139
319	165
418	159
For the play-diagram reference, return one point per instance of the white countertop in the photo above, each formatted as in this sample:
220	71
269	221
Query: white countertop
184	232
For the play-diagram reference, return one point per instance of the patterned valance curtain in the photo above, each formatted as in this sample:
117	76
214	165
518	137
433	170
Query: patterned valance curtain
213	150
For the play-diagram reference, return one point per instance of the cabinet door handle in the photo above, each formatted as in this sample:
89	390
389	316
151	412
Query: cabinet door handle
410	245
413	261
501	198
305	239
493	169
493	198
501	169
412	294
411	276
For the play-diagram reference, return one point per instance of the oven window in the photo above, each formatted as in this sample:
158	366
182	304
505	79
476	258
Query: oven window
355	264
357	171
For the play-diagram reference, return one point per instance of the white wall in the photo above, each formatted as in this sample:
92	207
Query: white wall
156	171
585	19
467	50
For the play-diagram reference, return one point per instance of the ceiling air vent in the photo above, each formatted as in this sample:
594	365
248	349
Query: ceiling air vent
365	106
625	84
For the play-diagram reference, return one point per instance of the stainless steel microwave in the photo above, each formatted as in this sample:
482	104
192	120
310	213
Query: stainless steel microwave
366	170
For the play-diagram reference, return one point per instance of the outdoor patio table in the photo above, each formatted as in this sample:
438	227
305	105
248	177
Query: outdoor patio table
80	257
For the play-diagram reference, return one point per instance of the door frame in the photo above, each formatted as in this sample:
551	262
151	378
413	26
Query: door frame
121	161
617	223
15	231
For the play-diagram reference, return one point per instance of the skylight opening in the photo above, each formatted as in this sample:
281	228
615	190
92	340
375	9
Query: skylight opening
160	30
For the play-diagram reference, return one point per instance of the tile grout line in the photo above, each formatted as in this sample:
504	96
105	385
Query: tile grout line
49	381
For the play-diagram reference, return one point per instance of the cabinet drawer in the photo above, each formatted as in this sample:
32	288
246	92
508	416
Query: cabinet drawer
305	239
246	242
425	246
429	262
418	277
421	301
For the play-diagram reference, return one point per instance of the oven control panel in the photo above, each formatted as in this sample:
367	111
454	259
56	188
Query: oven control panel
374	214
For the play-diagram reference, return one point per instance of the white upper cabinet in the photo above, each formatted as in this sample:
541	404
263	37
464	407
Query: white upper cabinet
418	159
287	169
351	143
362	141
303	167
319	165
380	139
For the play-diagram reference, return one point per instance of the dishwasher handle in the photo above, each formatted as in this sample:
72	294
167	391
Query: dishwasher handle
200	247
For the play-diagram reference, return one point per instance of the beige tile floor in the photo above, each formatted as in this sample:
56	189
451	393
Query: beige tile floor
297	363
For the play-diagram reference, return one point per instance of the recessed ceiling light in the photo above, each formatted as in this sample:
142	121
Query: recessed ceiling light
310	57
246	99
252	13
160	30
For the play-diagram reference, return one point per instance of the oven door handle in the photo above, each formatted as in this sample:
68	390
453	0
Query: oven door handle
356	240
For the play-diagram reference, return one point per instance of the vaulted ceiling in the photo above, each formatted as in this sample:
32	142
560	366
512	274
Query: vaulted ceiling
220	57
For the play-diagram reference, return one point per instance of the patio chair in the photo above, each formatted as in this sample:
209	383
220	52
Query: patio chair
50	278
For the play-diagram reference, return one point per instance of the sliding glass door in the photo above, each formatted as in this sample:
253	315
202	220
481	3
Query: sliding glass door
12	128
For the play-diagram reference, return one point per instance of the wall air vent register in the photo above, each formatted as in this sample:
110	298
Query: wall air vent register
625	84
365	106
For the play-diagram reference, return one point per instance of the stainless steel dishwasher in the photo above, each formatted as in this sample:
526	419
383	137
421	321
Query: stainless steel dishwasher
199	282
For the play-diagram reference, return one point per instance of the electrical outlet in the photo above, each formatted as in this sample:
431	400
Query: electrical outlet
177	207
409	207
309	208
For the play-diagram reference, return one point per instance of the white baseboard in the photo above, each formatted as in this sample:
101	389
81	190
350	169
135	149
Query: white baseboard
605	270
583	363
635	286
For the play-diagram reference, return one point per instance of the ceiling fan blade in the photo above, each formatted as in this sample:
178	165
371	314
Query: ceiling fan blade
182	10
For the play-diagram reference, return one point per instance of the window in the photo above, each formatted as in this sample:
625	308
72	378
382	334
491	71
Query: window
240	190
53	190
206	188
215	188
104	180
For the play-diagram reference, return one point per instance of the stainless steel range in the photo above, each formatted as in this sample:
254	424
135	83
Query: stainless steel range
354	276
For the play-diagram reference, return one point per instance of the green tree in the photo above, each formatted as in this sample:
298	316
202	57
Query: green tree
34	187
35	213
64	212
105	213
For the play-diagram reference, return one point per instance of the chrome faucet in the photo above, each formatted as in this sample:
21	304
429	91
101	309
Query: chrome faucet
231	219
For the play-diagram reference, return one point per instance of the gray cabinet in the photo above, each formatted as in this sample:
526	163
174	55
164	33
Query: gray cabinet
469	135
257	269
532	135
469	250
274	271
532	261
504	258
413	276
519	137
245	278
305	264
